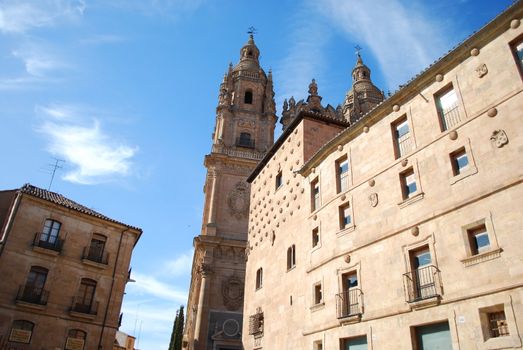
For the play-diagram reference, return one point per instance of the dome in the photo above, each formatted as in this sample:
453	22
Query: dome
249	55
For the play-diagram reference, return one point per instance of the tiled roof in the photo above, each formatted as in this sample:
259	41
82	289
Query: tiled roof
57	198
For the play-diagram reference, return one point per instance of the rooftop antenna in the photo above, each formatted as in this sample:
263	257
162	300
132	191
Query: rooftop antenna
251	31
55	167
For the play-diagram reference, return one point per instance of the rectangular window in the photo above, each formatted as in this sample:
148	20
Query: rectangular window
315	195
318	294
432	336
459	160
291	257
402	139
345	216
447	105
478	239
342	173
315	237
408	183
357	343
318	345
517	49
279	180
259	278
349	280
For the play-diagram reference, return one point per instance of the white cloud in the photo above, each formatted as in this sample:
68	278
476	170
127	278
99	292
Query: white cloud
181	265
17	16
94	156
306	55
401	36
38	62
149	285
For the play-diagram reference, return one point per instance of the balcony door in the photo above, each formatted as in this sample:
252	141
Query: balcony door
422	274
34	285
49	235
84	300
350	293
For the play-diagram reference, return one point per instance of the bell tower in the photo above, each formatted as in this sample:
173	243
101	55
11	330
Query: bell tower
244	130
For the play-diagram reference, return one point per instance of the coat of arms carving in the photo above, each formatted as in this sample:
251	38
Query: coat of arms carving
232	292
238	200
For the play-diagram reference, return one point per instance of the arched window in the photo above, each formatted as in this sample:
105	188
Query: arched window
248	97
83	301
245	140
96	249
50	232
33	291
21	331
259	278
291	257
75	339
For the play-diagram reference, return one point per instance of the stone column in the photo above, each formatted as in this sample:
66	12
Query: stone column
211	222
205	271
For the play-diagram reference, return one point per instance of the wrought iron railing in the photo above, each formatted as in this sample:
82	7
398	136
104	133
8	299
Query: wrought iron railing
450	116
422	283
52	243
83	306
404	144
349	303
96	255
32	294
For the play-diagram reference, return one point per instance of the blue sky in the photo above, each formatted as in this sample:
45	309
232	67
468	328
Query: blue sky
125	92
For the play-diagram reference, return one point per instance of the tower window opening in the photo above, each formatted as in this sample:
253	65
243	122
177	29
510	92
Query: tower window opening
248	97
245	140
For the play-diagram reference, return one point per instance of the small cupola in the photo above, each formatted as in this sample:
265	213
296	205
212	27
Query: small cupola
249	51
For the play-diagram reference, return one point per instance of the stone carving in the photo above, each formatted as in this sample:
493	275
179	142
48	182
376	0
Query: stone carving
238	200
246	123
205	269
232	292
499	138
231	328
482	70
373	199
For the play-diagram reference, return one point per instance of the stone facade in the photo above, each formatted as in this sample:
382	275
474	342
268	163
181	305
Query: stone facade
244	130
402	230
64	268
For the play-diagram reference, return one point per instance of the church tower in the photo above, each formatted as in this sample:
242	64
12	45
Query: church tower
244	130
363	96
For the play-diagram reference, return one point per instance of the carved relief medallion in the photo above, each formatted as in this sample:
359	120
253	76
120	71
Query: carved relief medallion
232	292
482	70
499	138
238	200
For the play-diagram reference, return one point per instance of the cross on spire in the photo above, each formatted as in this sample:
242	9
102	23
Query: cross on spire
358	49
251	31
